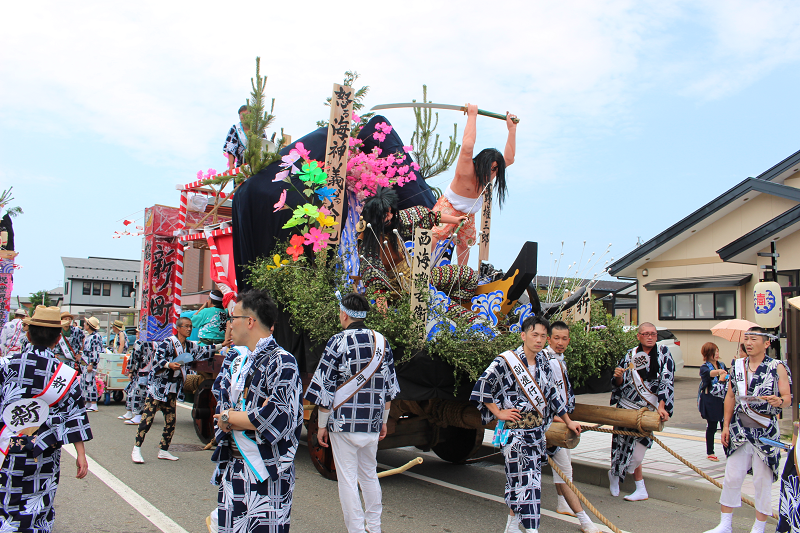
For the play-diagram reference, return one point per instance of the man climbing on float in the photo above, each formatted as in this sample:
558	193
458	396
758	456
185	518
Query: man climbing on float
568	502
354	386
644	378
519	388
758	390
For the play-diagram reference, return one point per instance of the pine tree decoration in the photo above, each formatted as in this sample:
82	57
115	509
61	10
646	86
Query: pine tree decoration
350	78
428	153
257	120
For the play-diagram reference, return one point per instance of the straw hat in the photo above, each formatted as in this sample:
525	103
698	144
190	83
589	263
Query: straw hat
93	323
46	317
66	314
20	312
119	324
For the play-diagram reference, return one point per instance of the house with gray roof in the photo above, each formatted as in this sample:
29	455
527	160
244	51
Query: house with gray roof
99	282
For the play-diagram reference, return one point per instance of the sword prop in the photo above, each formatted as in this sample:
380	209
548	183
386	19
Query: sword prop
430	105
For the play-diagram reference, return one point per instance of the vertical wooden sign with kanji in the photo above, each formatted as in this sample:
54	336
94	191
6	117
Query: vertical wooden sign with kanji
486	224
336	153
421	265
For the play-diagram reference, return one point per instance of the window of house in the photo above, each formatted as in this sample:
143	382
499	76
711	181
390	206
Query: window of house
87	288
697	305
66	288
96	288
127	289
106	289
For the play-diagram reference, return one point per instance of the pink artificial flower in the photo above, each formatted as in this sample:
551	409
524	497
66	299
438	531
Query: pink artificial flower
301	150
318	238
403	170
355	141
199	174
414	166
324	210
211	173
380	137
281	202
408	149
356	118
280	176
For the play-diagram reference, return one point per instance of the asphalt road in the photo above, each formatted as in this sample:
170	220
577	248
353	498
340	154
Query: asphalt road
433	497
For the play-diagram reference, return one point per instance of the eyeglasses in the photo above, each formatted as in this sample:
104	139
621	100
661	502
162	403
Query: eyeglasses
186	326
230	318
652	334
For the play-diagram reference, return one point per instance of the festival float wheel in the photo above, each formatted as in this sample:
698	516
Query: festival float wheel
456	445
320	456
117	394
204	407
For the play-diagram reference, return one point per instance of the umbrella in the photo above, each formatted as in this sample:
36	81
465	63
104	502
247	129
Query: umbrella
732	330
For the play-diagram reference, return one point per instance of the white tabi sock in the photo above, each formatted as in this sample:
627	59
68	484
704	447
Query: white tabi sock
563	507
587	526
512	524
724	526
758	526
639	494
613	484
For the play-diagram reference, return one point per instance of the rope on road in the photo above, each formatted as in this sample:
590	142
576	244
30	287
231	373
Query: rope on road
581	497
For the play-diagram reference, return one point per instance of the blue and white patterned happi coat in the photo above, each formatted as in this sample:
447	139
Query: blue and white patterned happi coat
345	355
764	383
75	339
789	509
526	447
564	387
92	348
11	337
625	396
274	406
28	488
161	382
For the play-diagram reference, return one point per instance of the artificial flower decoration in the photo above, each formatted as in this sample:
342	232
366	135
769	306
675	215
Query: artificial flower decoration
325	221
281	202
318	238
301	151
277	263
325	193
295	249
311	172
300	214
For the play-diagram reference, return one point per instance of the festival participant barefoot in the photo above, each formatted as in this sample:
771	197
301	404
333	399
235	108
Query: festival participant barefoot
464	195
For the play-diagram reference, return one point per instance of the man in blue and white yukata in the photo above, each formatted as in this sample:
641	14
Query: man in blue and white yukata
259	418
70	347
519	388
43	410
758	389
568	502
139	365
92	348
353	386
12	334
645	377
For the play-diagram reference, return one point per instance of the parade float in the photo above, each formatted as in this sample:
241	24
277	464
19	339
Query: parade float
288	220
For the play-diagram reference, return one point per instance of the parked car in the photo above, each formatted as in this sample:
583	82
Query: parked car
668	339
130	331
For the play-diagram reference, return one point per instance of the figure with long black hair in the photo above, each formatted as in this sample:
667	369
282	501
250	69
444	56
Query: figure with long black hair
464	195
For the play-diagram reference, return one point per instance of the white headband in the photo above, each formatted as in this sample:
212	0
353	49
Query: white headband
771	336
215	297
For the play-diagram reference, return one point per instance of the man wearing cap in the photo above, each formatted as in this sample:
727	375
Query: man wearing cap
166	384
11	335
41	397
353	387
259	419
70	347
92	348
758	389
139	365
120	344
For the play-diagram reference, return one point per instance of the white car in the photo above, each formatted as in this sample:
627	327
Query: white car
668	339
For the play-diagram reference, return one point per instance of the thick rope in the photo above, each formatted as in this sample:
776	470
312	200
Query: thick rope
655	439
581	497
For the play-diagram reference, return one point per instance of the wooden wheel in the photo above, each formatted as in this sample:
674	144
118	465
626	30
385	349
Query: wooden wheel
320	456
205	405
456	445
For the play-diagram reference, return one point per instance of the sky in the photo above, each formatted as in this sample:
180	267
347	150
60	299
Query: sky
633	113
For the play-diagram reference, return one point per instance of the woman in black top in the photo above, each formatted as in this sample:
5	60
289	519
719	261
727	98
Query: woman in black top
711	396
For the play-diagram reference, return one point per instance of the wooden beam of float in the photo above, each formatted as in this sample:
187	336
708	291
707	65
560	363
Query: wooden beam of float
612	416
336	154
421	265
560	435
486	226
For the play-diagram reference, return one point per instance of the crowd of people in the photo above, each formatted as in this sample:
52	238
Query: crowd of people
47	361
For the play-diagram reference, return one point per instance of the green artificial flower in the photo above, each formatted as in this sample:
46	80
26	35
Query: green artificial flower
311	172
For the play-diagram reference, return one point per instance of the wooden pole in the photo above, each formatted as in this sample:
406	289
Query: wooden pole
421	265
486	225
626	418
560	435
336	154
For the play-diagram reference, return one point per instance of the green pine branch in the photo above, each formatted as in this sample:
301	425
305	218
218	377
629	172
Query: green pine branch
257	156
5	199
350	78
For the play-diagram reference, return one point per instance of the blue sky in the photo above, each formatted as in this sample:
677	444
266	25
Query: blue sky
634	114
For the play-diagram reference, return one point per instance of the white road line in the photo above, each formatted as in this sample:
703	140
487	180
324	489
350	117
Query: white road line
185	405
145	508
490	497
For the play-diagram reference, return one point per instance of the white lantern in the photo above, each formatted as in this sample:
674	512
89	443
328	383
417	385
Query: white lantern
768	304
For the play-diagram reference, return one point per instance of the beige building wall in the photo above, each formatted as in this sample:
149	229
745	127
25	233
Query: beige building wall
696	256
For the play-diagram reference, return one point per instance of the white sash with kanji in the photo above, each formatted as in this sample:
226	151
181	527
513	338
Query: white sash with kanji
178	351
66	348
32	412
526	382
644	393
560	374
349	388
741	389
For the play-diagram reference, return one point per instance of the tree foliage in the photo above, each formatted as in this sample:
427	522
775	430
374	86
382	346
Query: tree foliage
5	199
350	78
41	298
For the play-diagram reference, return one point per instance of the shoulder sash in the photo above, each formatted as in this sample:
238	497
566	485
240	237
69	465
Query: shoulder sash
644	393
561	374
349	388
525	380
241	135
66	347
741	389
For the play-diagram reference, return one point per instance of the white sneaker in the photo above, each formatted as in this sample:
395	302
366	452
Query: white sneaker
640	494
134	421
127	416
613	484
164	454
563	507
136	455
